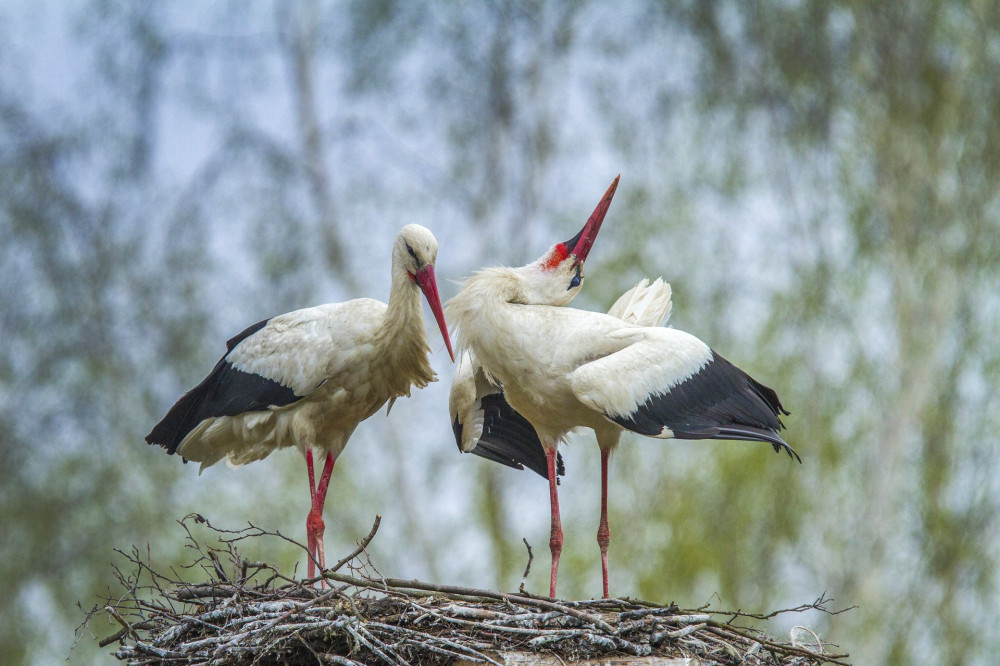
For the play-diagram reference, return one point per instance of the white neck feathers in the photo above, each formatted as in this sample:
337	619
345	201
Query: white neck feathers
402	339
483	292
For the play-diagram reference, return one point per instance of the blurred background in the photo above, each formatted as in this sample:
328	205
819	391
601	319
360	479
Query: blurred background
818	180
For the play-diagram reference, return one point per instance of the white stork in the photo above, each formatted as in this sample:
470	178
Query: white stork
309	377
562	368
486	425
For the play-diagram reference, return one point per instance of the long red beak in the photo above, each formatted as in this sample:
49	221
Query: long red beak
582	242
425	280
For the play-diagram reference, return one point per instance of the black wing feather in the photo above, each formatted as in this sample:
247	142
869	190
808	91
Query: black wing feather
508	438
720	401
227	391
244	334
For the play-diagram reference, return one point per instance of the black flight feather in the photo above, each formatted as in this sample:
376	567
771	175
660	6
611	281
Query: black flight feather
244	334
508	438
720	401
227	391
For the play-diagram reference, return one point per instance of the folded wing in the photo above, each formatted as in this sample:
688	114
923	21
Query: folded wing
486	425
670	384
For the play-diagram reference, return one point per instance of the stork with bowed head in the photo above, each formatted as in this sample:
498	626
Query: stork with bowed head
309	377
562	368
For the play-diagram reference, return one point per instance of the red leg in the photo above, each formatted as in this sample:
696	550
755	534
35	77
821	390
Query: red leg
310	535
309	467
318	500
556	535
603	533
314	521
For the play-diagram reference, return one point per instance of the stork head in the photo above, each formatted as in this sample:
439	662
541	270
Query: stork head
556	277
416	251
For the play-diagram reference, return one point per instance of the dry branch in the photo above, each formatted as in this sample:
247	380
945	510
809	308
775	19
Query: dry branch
253	614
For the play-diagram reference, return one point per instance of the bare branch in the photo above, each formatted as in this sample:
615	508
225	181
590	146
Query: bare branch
527	568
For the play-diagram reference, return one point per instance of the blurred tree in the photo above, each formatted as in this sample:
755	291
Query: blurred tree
82	319
882	122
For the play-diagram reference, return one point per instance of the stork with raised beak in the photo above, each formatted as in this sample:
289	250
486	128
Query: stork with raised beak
486	425
560	368
307	378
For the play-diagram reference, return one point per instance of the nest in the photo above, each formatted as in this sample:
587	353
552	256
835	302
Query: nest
250	613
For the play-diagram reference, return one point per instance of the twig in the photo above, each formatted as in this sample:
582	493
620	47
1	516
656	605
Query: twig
361	546
473	592
337	659
126	627
298	609
228	619
219	571
527	568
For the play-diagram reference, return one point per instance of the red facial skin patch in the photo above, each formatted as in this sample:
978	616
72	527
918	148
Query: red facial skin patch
556	257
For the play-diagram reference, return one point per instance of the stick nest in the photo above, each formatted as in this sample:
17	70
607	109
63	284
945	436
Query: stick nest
247	612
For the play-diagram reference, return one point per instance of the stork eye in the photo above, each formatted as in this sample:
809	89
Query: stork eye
413	254
575	282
